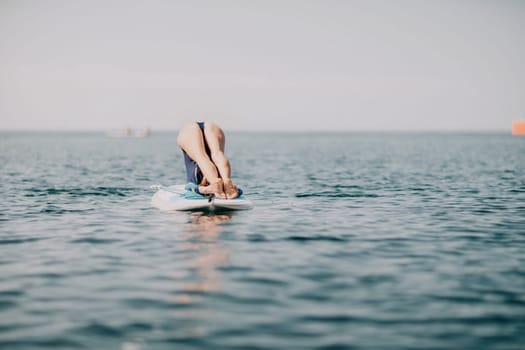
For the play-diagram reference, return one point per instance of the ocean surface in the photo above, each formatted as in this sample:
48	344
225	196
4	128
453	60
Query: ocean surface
356	241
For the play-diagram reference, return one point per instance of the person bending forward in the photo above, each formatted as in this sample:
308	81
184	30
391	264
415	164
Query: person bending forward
206	164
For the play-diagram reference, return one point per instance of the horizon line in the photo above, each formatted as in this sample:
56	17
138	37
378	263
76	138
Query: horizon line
335	131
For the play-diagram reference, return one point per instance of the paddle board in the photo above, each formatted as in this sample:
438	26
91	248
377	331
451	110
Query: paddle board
176	197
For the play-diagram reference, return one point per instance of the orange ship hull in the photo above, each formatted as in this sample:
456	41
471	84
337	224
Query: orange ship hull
518	127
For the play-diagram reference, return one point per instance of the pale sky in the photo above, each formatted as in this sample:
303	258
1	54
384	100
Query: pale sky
262	65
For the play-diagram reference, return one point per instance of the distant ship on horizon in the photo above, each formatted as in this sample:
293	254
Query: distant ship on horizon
128	132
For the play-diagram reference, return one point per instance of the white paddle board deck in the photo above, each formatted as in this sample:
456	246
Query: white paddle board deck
176	197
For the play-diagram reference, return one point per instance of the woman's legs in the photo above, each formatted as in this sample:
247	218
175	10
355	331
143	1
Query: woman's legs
216	170
191	140
216	142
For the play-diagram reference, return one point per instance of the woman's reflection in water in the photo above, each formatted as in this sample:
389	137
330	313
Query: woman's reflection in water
201	240
203	254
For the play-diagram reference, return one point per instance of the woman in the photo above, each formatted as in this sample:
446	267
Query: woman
206	165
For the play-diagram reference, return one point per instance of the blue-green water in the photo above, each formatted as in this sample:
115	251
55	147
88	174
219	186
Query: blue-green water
357	241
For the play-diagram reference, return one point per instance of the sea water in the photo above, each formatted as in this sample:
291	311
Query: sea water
357	241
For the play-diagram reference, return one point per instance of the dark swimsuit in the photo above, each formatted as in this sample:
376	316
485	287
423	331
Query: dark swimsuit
193	172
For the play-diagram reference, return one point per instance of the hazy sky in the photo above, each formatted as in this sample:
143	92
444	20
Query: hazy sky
262	65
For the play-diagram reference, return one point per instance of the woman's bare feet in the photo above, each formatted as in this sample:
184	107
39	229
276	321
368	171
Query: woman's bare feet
230	189
216	188
221	189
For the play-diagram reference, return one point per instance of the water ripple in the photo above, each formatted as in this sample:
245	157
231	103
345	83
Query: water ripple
80	191
20	240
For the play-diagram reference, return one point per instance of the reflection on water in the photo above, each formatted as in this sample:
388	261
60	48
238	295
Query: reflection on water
203	255
201	238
